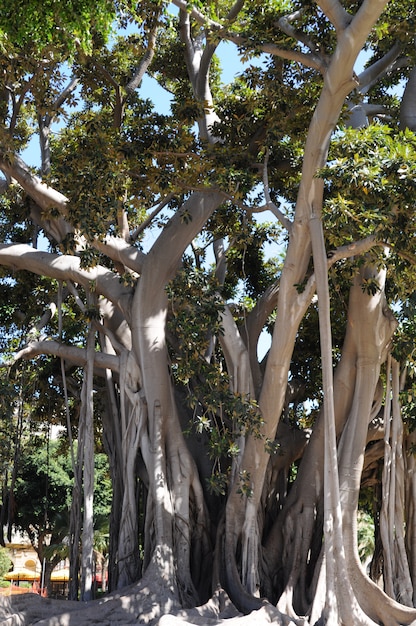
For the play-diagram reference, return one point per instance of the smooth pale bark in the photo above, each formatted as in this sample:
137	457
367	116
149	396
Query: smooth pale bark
408	106
238	366
112	445
373	333
292	536
149	414
338	82
340	604
170	467
410	505
241	383
403	581
132	418
71	354
87	415
45	196
168	462
298	517
396	574
299	507
75	524
64	267
374	326
121	253
253	325
198	55
236	356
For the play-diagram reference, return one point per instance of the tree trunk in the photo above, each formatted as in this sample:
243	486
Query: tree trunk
173	480
87	416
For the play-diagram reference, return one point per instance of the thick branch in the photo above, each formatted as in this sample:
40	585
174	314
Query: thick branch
63	267
202	85
311	60
234	11
198	60
256	319
75	355
45	196
236	355
357	32
285	25
336	13
408	107
372	73
195	13
144	63
180	231
185	32
45	122
254	324
357	248
120	251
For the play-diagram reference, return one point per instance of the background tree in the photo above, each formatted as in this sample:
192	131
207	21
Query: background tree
42	498
153	287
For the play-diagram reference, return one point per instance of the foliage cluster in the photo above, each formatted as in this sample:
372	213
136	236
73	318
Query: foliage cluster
125	171
195	324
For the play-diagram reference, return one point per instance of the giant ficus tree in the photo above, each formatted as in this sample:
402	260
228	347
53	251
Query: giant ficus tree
137	243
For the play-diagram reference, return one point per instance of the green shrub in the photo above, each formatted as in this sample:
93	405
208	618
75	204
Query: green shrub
5	561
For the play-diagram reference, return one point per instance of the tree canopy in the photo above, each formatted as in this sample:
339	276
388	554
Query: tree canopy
218	291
